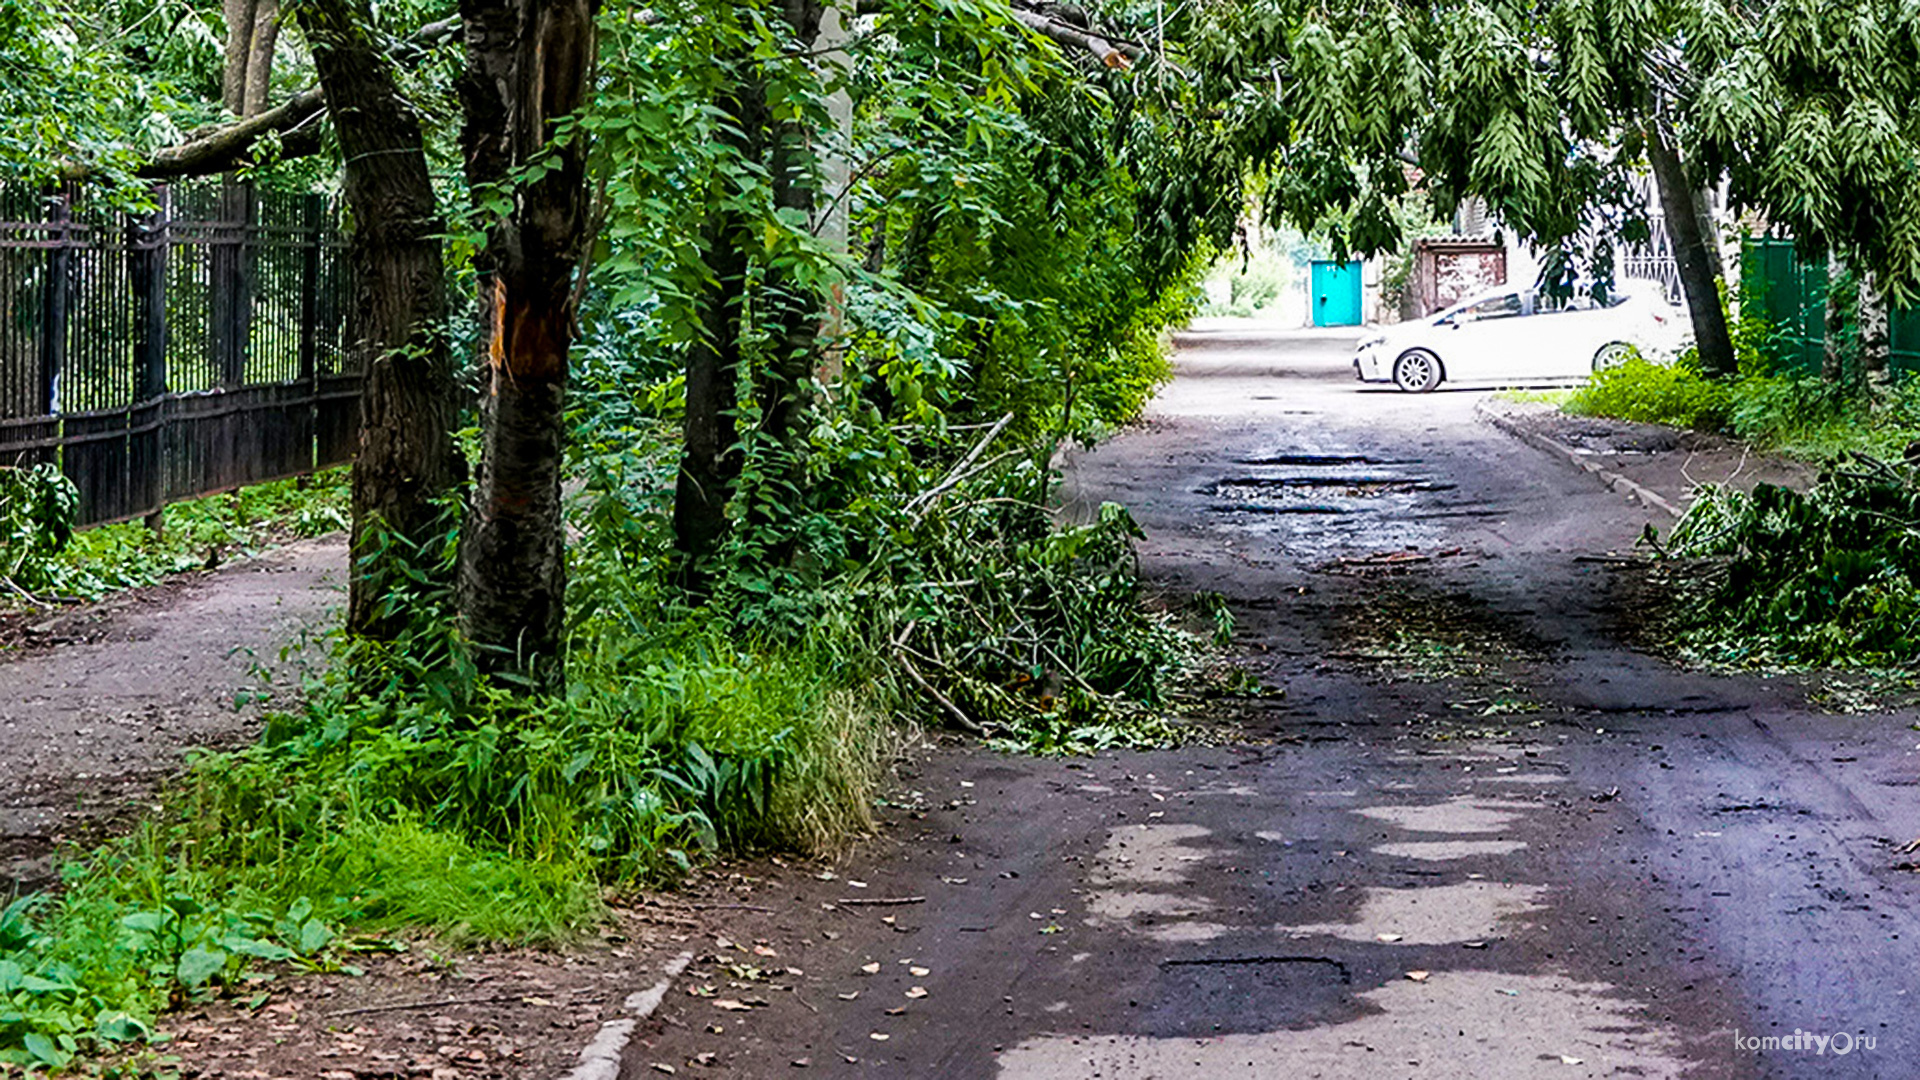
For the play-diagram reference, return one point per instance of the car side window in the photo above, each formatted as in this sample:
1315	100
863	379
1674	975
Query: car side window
1498	307
1579	301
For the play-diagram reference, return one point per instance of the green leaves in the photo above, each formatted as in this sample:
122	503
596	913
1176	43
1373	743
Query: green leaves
197	966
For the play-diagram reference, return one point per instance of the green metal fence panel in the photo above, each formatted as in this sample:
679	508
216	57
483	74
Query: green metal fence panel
1789	294
1906	341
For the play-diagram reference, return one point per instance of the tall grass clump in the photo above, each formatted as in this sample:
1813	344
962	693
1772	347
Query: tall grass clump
1653	393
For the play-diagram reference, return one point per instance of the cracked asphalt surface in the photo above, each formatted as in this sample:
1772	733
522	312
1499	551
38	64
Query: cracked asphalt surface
1479	836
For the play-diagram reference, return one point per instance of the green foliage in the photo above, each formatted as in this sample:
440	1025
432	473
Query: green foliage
37	507
128	938
1253	277
1648	392
47	557
1830	577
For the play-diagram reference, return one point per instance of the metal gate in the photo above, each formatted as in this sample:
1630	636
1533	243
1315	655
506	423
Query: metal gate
175	353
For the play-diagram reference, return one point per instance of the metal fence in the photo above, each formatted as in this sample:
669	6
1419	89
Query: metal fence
176	353
1790	293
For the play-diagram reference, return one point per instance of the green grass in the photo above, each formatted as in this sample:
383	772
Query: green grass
1555	398
1646	392
196	533
362	817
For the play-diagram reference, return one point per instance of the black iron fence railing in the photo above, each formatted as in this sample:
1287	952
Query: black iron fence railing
178	353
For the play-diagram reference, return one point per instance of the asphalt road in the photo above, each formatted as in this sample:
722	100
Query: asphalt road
1479	836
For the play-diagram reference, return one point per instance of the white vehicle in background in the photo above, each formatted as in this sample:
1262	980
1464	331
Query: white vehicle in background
1513	335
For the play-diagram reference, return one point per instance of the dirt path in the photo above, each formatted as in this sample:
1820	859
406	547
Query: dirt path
97	703
1479	836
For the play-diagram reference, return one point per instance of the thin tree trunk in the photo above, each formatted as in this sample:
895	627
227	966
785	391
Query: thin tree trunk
238	15
710	460
785	387
1875	340
1832	345
1709	231
529	64
265	33
1697	279
407	459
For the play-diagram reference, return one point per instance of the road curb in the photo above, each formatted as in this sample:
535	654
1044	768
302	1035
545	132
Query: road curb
600	1058
1612	479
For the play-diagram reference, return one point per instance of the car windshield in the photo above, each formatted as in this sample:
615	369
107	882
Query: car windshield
1495	307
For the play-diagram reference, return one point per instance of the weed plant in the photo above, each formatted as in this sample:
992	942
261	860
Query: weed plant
1770	404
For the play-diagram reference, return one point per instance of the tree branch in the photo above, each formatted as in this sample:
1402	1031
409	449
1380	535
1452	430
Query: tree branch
1066	35
226	147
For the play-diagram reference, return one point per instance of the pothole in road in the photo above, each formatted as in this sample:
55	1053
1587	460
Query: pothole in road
1325	460
1462	815
1441	915
1134	861
1257	489
1203	997
1449	850
1484	1024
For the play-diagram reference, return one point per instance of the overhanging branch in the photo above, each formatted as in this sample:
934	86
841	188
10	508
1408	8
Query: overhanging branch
1119	55
227	147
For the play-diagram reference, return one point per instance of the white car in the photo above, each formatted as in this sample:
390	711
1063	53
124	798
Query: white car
1513	335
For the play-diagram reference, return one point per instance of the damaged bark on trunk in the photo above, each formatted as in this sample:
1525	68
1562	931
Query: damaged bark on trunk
528	66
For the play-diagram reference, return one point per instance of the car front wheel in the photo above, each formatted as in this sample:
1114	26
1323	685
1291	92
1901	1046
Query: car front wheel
1612	355
1417	371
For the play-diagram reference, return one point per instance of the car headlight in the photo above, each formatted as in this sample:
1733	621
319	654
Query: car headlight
1369	342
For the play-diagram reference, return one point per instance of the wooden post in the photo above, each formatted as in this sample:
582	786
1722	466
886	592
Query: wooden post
147	258
311	225
232	283
147	271
56	300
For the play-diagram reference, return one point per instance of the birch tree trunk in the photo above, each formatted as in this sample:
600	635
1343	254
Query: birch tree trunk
1876	345
1833	367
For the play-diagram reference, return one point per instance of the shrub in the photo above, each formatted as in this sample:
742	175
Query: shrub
1651	393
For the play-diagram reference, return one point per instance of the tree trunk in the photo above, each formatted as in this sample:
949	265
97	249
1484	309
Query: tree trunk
1833	366
264	35
785	387
238	15
1709	232
1875	340
1678	203
407	459
709	458
253	28
529	64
